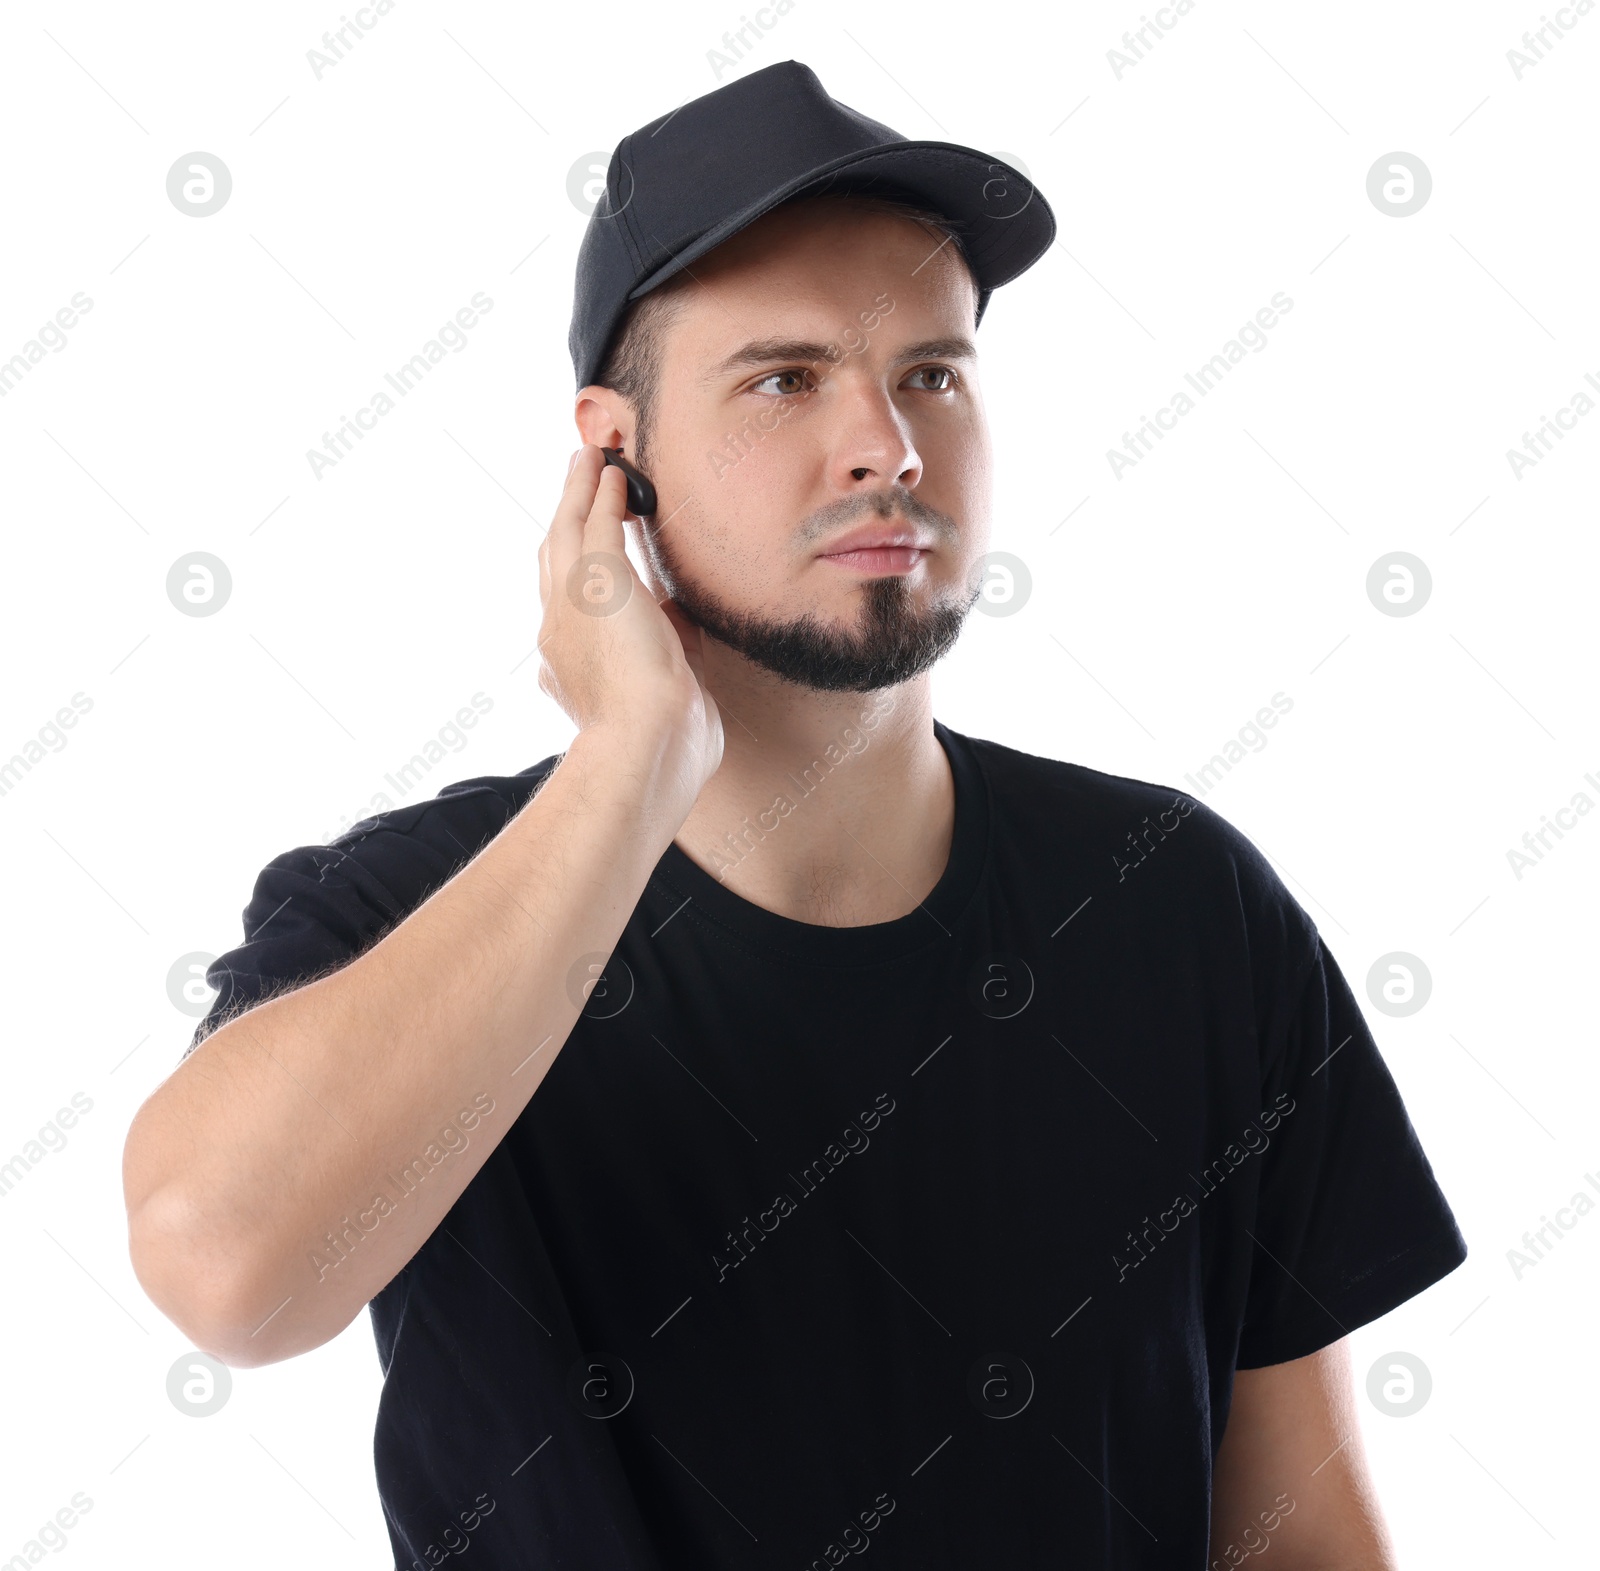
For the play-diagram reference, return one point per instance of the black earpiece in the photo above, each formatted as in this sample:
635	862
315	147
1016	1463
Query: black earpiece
641	494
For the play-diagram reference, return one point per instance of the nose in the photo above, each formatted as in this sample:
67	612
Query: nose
874	445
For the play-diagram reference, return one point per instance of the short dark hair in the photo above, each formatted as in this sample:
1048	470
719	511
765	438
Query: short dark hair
632	366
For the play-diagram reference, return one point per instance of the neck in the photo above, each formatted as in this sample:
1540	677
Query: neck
837	809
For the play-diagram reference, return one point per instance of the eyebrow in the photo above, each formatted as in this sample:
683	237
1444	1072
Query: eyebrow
765	351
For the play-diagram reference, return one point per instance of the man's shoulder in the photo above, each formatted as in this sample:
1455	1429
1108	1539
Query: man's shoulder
314	906
1012	769
1121	819
1032	782
392	859
462	808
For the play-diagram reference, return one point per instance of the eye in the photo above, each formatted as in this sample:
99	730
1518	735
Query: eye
937	370
773	376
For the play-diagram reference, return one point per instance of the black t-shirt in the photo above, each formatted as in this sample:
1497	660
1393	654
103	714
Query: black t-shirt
941	1236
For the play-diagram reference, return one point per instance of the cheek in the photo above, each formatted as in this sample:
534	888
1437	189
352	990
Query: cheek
969	504
750	508
969	569
714	536
973	465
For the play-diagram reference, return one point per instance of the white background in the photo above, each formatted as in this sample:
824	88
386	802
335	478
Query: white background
1168	605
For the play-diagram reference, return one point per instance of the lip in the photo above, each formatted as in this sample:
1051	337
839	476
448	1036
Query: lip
878	562
878	538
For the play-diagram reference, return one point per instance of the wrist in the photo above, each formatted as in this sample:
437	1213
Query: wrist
643	766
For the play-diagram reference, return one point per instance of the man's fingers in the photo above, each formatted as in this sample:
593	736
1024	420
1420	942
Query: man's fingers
567	527
602	530
691	638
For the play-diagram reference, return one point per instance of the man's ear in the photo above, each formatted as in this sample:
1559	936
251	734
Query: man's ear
603	417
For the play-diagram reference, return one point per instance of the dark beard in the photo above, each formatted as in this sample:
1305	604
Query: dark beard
894	643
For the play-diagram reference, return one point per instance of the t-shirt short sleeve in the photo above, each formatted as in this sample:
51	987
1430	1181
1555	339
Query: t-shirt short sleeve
313	909
317	907
1350	1221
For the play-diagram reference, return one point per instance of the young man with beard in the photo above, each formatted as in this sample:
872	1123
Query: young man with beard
912	1180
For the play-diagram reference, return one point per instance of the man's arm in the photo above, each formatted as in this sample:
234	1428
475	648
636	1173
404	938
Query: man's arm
286	1121
1292	1432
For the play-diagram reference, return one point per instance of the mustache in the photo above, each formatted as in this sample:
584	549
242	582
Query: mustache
885	503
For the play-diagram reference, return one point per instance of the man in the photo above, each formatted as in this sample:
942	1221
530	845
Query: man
781	1125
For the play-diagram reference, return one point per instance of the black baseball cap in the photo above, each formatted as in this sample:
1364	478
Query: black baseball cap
684	183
